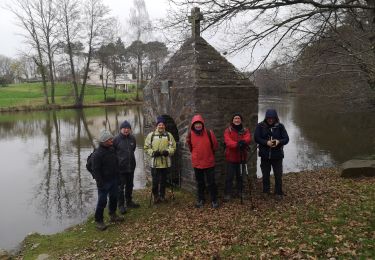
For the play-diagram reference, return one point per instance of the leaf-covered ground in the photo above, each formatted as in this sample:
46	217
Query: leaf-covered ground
322	216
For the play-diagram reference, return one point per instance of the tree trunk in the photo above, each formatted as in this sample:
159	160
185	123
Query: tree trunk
104	87
137	96
40	64
72	69
51	76
82	94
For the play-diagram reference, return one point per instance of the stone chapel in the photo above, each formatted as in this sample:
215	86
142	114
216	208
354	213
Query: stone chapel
199	80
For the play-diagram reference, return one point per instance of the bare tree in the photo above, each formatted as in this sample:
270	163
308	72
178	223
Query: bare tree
97	26
156	53
48	16
112	61
90	23
26	12
249	24
71	28
141	26
6	74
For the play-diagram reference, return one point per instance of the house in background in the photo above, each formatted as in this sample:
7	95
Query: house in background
99	76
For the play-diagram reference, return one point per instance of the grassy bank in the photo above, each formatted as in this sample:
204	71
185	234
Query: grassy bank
322	216
30	96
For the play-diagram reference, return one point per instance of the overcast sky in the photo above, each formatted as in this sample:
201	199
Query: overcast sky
11	42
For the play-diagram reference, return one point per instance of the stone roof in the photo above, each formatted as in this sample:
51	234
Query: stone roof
198	64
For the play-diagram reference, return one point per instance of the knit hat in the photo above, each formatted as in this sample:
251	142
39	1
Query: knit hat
271	113
237	114
125	124
104	135
159	120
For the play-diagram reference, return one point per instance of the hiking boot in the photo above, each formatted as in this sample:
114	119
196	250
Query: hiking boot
279	197
122	210
266	195
116	218
101	226
132	204
215	204
227	198
156	200
199	204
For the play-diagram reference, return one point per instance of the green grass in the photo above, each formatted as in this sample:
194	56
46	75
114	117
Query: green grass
31	95
336	222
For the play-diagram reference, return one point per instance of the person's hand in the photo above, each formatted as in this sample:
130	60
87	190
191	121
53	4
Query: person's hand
273	143
156	154
165	153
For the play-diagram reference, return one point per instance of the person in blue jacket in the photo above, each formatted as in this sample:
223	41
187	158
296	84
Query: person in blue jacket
271	136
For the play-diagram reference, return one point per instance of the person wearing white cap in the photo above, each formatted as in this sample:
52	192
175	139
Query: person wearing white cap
106	173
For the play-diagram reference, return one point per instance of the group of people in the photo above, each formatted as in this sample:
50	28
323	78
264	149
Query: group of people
115	157
113	169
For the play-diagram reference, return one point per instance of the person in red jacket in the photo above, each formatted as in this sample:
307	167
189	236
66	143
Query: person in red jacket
203	144
237	140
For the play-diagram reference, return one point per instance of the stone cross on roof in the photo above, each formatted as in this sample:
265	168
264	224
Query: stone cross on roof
195	18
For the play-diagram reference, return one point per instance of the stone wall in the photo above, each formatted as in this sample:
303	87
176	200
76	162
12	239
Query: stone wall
197	79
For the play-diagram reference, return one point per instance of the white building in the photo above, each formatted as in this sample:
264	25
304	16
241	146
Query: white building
98	77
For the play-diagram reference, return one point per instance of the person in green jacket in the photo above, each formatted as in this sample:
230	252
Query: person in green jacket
160	146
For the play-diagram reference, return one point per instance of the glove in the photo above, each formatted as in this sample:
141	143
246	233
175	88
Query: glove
156	154
241	144
165	153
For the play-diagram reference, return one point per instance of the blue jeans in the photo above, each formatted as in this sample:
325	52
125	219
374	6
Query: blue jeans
109	189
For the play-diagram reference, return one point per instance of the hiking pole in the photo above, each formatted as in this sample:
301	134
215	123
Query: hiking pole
151	195
171	183
241	173
241	192
250	187
249	180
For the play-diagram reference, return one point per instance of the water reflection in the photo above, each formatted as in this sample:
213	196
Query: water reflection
320	135
46	186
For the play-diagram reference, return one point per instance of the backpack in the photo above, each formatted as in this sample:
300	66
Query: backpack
164	134
89	163
209	137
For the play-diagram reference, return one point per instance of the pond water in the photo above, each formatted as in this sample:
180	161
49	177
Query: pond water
321	135
46	188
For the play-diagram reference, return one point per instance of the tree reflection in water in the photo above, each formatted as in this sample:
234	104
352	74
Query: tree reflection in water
55	187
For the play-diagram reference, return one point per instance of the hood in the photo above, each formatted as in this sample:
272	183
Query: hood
197	118
271	113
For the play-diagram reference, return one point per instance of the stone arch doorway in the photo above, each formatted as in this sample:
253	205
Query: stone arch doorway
175	173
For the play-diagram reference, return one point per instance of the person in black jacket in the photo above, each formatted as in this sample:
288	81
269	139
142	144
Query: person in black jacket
125	144
271	136
106	173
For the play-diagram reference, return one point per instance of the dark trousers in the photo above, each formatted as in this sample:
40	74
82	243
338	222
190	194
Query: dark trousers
127	184
159	180
201	176
110	189
277	166
233	169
